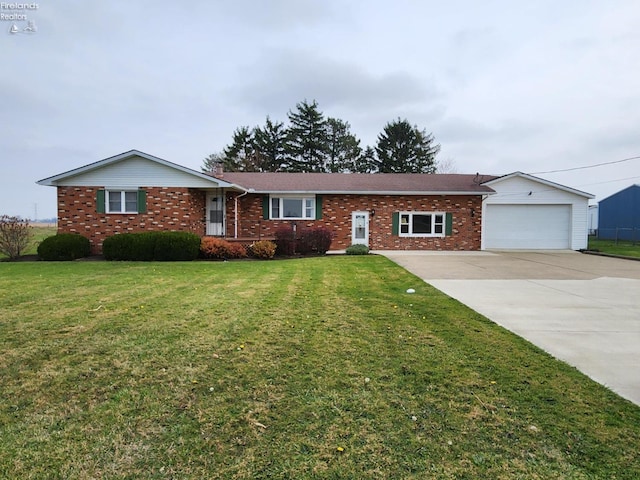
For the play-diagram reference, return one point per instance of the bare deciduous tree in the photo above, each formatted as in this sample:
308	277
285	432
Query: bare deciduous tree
448	165
15	235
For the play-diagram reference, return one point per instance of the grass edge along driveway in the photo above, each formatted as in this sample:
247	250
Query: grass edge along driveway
314	368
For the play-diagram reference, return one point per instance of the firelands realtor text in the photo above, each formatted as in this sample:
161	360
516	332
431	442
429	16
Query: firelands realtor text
16	11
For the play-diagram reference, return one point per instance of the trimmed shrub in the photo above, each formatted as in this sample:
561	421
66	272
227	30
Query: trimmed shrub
357	249
238	250
176	246
148	246
263	249
129	247
285	240
64	247
219	249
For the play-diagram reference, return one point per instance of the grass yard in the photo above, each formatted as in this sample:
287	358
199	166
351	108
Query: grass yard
38	233
315	368
627	249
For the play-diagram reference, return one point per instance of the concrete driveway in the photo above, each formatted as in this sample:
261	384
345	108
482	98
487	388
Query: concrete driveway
582	309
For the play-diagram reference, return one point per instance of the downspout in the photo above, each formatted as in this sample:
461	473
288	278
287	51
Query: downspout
235	212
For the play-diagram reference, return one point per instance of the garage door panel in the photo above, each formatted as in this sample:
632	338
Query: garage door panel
527	226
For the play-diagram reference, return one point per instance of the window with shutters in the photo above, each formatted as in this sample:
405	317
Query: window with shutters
418	224
121	201
292	208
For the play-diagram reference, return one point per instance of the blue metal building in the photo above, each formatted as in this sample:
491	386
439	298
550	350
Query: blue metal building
619	215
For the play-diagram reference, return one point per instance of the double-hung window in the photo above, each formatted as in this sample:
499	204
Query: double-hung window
122	201
291	207
418	224
119	200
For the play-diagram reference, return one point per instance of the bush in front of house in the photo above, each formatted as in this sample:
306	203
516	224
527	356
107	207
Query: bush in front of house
306	241
285	240
263	249
150	246
315	240
357	249
219	249
64	247
129	247
176	246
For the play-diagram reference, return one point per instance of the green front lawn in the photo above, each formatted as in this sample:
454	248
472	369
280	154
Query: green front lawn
612	247
315	368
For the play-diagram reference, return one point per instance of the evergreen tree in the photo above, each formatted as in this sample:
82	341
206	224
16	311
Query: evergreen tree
307	146
343	147
367	162
403	148
270	146
240	155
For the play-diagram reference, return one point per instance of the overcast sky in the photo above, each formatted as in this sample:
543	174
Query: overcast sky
503	85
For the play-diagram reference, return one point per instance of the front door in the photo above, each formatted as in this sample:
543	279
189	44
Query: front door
215	215
360	228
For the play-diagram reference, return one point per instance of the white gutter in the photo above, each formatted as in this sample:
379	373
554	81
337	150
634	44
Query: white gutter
367	192
235	211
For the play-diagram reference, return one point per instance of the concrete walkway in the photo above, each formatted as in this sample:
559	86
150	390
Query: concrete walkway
582	309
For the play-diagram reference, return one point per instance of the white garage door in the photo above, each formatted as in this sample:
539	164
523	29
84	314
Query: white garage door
527	227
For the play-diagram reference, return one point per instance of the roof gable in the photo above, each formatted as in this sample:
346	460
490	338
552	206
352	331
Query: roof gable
497	180
624	193
359	183
133	169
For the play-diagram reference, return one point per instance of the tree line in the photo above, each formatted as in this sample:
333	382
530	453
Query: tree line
311	142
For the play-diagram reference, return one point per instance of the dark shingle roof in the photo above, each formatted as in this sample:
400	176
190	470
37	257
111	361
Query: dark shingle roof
381	183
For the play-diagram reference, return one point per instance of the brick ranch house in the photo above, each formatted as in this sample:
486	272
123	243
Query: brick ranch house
134	192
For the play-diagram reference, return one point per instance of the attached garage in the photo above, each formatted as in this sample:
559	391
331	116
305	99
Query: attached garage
529	213
528	227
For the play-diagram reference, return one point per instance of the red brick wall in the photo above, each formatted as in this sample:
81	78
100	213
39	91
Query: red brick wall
336	215
168	208
183	209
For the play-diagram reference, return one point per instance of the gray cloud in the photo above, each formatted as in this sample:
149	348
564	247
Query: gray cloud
343	89
288	76
502	86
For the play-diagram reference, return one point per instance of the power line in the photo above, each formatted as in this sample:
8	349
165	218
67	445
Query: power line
609	181
587	166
